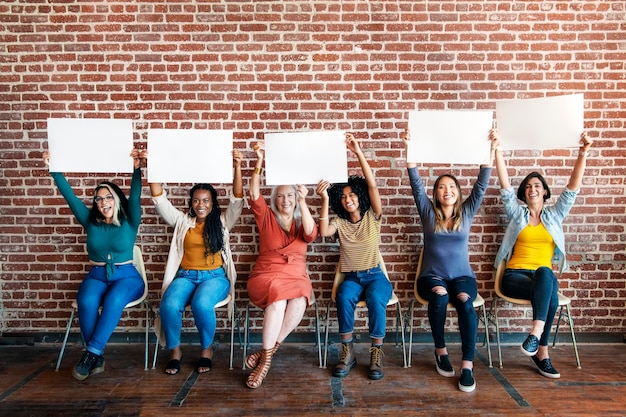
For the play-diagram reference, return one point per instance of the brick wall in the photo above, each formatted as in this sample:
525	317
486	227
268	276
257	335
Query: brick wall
261	66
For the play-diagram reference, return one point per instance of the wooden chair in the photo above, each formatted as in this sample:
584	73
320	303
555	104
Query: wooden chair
231	318
138	263
564	302
246	333
339	277
479	303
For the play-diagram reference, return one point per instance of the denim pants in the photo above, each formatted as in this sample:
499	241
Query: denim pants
113	293
372	286
540	287
438	305
200	289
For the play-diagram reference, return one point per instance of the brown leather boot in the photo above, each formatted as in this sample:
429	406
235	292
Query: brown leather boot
347	361
376	363
255	379
253	360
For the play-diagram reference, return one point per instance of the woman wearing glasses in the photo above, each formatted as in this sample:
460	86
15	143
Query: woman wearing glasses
111	225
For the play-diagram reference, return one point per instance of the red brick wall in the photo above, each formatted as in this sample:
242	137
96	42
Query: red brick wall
261	66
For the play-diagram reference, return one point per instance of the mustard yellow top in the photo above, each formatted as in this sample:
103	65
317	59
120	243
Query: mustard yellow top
534	248
193	256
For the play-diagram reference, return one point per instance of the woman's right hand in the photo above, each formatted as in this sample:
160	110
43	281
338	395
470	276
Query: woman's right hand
259	149
322	189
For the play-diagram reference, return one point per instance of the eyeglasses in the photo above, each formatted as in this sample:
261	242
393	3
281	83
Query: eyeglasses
107	198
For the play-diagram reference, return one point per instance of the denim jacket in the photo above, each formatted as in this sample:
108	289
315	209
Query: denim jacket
551	216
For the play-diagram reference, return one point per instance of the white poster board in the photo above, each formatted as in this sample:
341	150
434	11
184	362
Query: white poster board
450	136
90	145
541	123
190	156
305	157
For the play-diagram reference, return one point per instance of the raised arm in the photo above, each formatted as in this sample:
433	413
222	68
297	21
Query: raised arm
581	163
237	178
495	146
406	137
308	224
326	229
255	180
372	189
503	175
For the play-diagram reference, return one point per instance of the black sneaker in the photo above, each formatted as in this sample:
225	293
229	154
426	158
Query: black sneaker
98	366
467	382
444	367
84	367
530	345
545	368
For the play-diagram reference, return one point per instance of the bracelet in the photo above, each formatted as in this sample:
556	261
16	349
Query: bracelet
323	218
258	170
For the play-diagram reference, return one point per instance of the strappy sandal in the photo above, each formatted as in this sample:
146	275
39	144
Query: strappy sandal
253	360
255	379
173	365
204	363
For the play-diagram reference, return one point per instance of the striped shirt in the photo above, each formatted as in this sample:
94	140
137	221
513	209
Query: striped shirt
358	242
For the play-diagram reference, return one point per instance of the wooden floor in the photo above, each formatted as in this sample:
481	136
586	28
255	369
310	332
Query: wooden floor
296	386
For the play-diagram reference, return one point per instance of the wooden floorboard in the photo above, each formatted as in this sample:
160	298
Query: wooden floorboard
296	386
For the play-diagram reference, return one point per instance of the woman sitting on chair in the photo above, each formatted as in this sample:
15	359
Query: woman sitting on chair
357	225
446	275
111	225
533	237
199	270
279	282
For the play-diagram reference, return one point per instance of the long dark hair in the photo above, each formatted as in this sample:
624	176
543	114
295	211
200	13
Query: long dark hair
359	187
521	190
212	233
121	204
457	211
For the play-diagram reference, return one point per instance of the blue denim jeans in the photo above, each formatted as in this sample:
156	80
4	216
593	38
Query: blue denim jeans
200	289
540	287
438	305
372	286
124	285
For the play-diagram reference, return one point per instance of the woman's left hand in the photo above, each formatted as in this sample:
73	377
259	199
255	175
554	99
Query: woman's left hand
303	191
138	155
585	142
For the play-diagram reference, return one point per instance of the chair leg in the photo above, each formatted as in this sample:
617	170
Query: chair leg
246	329
486	323
67	334
232	336
326	334
558	325
571	328
147	348
399	319
317	335
410	327
494	306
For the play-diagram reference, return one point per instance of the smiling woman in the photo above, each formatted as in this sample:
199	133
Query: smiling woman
111	226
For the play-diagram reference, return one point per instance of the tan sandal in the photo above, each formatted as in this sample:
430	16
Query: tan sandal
255	379
253	360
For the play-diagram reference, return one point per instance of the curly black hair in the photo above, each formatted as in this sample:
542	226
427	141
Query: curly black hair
359	187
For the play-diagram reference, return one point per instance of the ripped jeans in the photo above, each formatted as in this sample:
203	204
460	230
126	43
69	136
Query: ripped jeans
437	309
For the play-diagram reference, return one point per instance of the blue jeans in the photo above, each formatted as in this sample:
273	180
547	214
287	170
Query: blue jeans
200	289
124	286
438	305
372	286
540	287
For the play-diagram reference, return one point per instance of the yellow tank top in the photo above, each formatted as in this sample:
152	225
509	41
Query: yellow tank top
534	248
193	257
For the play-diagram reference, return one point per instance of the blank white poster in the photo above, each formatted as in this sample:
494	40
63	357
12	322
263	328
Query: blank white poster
541	123
90	145
305	157
190	156
450	136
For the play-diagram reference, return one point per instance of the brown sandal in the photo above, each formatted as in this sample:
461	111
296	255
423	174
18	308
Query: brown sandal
253	360
255	379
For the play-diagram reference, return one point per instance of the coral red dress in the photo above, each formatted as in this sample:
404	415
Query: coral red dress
280	270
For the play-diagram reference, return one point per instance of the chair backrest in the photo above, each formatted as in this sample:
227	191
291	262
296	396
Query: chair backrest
417	277
339	276
141	268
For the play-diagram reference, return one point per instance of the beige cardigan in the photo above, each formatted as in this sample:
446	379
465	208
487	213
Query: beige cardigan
183	222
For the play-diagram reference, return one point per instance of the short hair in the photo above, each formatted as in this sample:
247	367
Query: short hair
521	190
121	204
359	187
